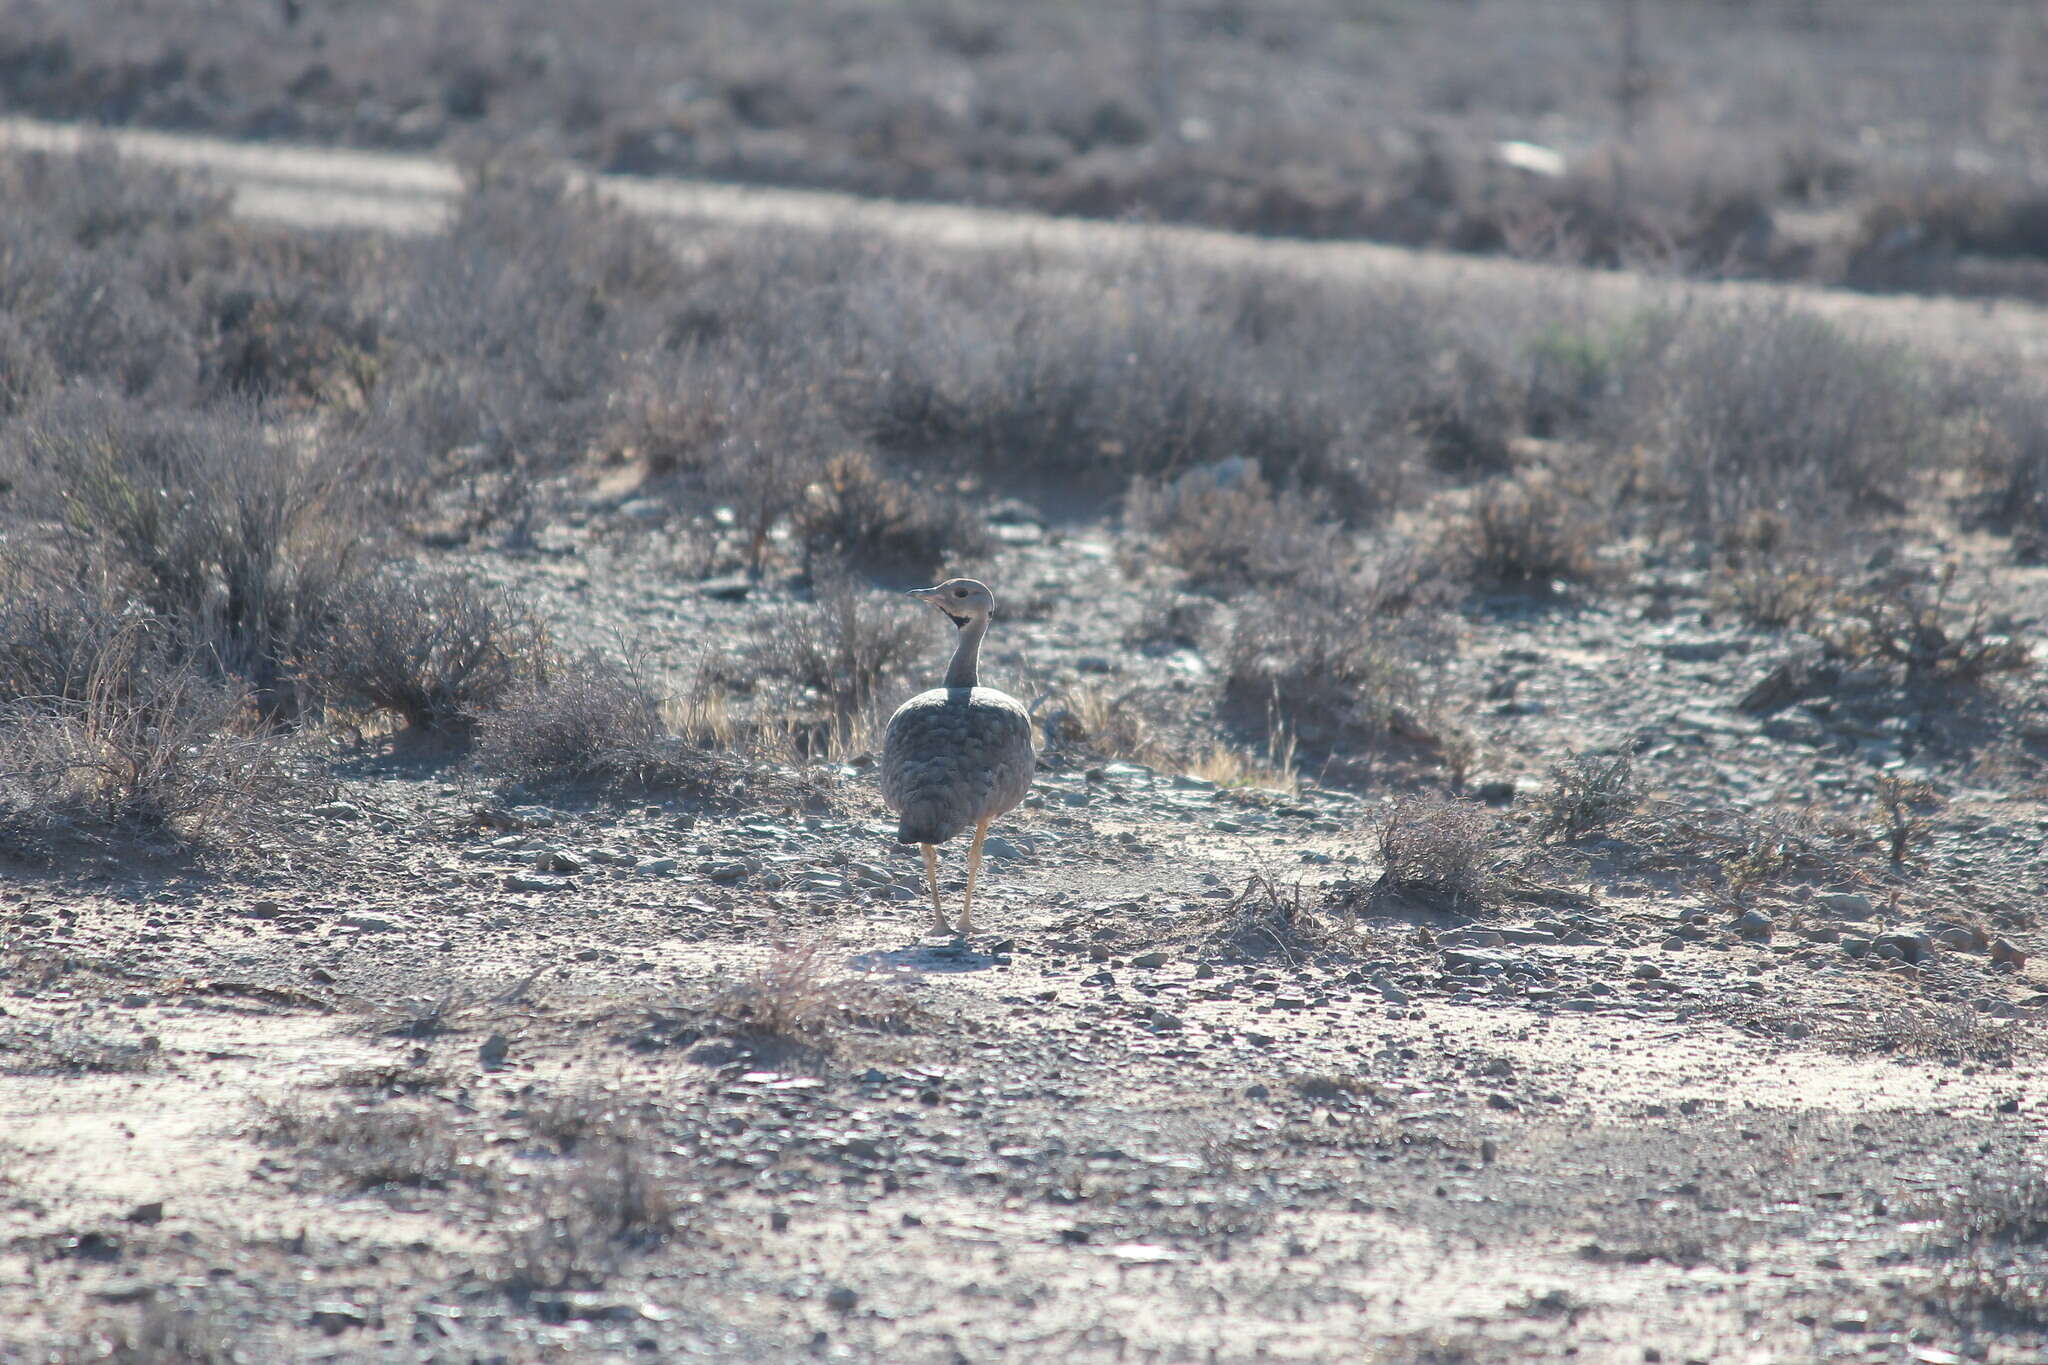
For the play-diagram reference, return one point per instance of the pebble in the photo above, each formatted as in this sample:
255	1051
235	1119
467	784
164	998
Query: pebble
554	860
1754	924
1149	960
520	881
339	810
494	1051
658	866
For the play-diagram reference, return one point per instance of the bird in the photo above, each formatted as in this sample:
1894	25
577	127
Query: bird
959	754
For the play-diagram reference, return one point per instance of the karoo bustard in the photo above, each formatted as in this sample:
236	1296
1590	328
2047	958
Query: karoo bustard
958	755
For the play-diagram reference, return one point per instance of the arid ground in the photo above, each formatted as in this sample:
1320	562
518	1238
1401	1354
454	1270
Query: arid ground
1536	850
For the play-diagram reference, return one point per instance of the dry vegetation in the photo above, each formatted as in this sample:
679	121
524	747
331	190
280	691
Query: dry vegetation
1885	146
512	603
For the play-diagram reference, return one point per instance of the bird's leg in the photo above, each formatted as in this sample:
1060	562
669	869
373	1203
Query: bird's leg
973	866
931	875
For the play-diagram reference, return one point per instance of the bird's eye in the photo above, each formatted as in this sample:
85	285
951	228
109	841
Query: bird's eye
959	592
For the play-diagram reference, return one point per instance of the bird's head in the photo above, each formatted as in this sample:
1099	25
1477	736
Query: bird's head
962	600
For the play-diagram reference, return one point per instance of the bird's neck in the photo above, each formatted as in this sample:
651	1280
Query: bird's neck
966	655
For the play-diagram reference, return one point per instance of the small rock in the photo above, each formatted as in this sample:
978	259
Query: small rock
1496	1100
1754	924
1672	944
1912	945
657	866
731	588
494	1051
263	910
1149	960
368	924
726	869
335	1317
2003	951
1845	904
1854	946
521	881
555	860
643	509
1495	791
1647	971
147	1214
996	846
842	1299
339	810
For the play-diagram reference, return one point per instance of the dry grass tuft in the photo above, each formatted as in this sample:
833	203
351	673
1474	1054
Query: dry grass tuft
801	994
1435	851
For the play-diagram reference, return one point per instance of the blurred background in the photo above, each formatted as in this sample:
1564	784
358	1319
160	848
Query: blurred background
1882	144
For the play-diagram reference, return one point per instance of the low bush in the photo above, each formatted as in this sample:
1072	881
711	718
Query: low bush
432	649
847	644
855	512
138	738
1529	532
1587	791
1759	407
588	721
238	536
1227	529
1330	665
1435	851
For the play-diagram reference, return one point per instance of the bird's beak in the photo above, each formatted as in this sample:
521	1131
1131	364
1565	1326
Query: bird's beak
923	594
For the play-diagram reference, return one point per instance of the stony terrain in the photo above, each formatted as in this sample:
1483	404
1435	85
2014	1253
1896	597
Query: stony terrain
452	1069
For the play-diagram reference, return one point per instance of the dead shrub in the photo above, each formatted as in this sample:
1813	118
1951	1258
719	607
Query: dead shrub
1227	529
573	1226
589	721
856	512
239	537
847	644
1527	532
512	330
378	1146
163	1334
1777	592
148	743
34	1048
1435	851
1896	621
1329	665
1269	919
800	994
1587	792
432	649
1105	722
1762	407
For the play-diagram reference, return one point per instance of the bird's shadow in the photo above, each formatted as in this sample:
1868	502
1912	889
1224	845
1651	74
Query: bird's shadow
929	957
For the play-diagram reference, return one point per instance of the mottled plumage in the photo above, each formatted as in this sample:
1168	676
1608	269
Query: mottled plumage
953	756
958	755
